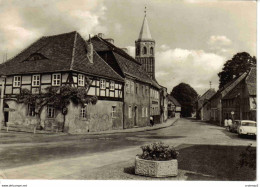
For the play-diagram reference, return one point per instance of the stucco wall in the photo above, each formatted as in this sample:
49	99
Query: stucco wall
136	100
19	118
99	117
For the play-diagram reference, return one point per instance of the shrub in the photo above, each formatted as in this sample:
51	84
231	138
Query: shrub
159	152
248	158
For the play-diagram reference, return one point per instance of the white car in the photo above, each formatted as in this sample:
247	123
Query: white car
247	127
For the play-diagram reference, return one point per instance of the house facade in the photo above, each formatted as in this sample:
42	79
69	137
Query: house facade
141	94
240	102
174	107
235	100
202	111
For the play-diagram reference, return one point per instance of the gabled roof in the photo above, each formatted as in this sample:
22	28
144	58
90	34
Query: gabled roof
63	52
205	97
173	100
229	86
145	33
120	61
251	81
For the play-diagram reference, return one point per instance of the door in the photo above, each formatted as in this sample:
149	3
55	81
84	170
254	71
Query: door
6	113
136	113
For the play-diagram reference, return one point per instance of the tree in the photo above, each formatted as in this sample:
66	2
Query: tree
240	63
59	97
186	96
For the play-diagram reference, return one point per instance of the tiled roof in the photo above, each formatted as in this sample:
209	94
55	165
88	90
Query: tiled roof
120	61
63	52
224	88
172	99
251	81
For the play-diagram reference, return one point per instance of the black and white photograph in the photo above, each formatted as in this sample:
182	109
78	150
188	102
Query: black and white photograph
128	90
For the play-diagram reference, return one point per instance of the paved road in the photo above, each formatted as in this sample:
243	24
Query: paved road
78	156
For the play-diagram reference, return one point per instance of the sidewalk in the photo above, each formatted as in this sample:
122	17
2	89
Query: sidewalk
168	123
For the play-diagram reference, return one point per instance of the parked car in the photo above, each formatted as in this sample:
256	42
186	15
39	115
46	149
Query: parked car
247	127
233	126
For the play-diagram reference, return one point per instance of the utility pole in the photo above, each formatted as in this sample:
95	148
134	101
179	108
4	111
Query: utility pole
2	102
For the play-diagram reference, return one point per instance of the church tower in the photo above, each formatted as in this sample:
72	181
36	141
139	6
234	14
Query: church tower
144	49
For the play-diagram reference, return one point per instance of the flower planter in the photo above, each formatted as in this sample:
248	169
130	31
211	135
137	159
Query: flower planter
156	168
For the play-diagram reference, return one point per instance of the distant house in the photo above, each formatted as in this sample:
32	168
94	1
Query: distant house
201	112
164	104
238	96
174	107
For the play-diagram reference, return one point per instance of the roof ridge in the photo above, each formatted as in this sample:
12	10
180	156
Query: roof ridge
59	34
73	51
233	84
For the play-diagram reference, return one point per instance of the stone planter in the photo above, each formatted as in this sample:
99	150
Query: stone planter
156	168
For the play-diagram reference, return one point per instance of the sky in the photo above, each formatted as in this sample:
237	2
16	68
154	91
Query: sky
194	38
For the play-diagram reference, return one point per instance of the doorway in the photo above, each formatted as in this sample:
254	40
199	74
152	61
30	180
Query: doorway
136	113
6	113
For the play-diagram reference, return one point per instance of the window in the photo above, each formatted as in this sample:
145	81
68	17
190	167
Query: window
136	89
127	87
137	50
146	112
83	112
31	110
56	79
130	111
50	111
102	84
146	90
151	50
113	111
17	81
144	50
36	80
142	111
132	87
112	85
81	80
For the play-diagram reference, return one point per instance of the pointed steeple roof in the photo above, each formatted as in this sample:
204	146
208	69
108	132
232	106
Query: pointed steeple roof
145	33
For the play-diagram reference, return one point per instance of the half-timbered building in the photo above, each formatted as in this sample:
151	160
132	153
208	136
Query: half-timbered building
65	59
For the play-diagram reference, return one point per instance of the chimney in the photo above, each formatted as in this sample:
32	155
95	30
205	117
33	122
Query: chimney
125	50
100	35
90	50
110	40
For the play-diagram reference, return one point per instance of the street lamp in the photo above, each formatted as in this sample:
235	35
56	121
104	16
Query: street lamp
2	101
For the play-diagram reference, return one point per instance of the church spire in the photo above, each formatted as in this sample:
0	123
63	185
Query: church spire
145	33
144	49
